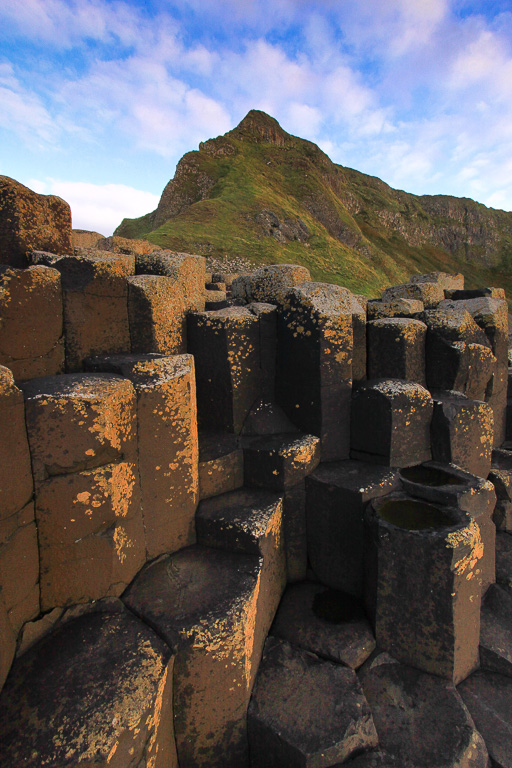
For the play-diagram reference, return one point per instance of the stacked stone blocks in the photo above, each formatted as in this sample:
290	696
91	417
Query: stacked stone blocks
103	469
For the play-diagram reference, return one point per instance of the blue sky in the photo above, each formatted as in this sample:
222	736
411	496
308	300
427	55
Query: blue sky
99	99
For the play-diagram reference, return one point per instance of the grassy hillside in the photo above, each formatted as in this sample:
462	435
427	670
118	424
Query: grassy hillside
259	193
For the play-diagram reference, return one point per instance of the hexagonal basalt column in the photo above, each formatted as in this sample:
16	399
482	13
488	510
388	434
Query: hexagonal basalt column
462	432
396	348
77	422
167	444
422	588
450	486
391	423
336	496
225	344
314	382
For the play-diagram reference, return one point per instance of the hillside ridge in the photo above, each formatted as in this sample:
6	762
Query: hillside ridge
261	193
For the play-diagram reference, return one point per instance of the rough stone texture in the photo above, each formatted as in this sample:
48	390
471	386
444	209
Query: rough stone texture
359	331
393	308
501	477
16	485
7	643
422	591
117	244
374	759
221	464
270	284
267	316
314	381
337	494
449	282
390	423
96	692
202	602
79	421
476	293
421	720
31	342
251	522
216	286
167	444
29	221
19	567
267	418
157	315
324	622
19	556
187	270
430	293
91	534
458	353
305	711
95	291
396	349
450	486
279	461
295	536
225	345
496	631
462	432
487	697
85	238
504	560
492	316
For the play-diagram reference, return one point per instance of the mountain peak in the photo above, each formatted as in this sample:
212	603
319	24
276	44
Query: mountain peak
259	126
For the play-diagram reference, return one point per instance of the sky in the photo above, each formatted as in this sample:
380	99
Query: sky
99	99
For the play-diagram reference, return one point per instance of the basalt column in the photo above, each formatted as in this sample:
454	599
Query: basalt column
314	382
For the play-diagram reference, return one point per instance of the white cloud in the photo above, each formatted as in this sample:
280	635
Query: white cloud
22	111
97	207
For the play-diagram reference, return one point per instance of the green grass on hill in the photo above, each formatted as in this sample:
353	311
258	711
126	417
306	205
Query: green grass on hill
363	250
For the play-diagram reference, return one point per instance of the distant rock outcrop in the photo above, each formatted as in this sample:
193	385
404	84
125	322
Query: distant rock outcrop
29	221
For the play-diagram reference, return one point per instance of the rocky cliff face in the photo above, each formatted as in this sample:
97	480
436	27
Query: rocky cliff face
221	197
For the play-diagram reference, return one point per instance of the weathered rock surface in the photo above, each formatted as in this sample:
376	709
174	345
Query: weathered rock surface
96	692
306	711
225	345
496	631
326	622
167	444
95	292
314	380
396	349
31	342
487	697
79	421
156	314
422	590
270	284
221	464
337	493
91	534
390	423
421	719
462	432
29	221
279	461
202	602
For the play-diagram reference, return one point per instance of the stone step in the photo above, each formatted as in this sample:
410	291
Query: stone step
99	686
326	622
420	718
306	711
279	461
496	631
250	521
204	603
221	463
